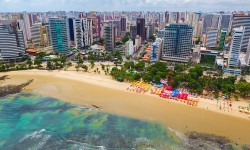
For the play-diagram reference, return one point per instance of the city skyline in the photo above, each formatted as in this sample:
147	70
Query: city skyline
122	5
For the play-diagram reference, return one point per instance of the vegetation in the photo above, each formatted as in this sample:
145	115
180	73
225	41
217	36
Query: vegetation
152	38
101	41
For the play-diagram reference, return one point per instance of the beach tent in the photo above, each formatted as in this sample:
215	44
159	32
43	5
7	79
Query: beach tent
159	85
170	88
175	93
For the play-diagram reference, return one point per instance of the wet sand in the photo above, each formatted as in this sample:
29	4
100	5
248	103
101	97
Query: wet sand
90	89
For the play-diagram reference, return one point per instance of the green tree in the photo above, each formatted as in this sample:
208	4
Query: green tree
125	39
92	62
37	62
243	88
152	38
29	63
101	40
85	67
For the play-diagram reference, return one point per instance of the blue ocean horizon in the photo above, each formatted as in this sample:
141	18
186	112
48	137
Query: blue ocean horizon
29	121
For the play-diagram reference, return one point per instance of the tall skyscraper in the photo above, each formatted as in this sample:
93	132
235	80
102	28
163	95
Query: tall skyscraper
71	29
177	42
11	42
109	35
236	44
80	32
27	25
247	59
211	37
133	31
207	22
36	33
223	35
225	20
123	24
59	34
140	28
242	20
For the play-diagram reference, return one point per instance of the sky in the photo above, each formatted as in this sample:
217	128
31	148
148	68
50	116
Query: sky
124	5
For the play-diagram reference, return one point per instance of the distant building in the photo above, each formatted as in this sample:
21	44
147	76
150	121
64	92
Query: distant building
160	33
71	29
235	48
177	42
129	50
36	33
137	42
223	35
59	35
123	26
133	32
140	28
211	37
225	20
109	35
242	20
27	25
11	42
151	27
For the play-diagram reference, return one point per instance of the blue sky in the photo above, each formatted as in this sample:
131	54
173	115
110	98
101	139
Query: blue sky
120	5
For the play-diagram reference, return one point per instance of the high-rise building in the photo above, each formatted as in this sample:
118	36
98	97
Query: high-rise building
80	32
247	58
109	35
223	35
129	50
123	24
133	31
48	37
11	42
235	47
117	24
36	33
211	37
242	20
207	22
177	42
59	34
140	28
71	29
225	20
27	25
151	27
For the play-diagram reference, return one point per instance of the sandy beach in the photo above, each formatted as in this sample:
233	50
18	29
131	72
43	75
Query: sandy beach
92	89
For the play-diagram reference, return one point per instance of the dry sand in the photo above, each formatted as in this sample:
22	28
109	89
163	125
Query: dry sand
92	89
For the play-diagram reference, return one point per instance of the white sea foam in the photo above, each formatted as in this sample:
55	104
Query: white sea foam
85	146
32	135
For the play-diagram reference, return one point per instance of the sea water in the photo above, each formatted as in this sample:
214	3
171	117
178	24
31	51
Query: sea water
29	121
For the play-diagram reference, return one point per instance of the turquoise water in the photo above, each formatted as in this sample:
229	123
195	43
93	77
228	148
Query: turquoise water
29	121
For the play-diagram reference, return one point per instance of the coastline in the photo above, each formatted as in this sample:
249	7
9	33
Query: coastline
92	89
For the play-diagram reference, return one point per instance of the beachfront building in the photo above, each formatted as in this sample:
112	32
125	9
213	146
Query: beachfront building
27	25
242	20
177	42
59	35
109	35
211	37
36	34
12	45
80	33
223	35
235	48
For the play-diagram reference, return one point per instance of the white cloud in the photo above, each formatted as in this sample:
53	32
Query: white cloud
109	5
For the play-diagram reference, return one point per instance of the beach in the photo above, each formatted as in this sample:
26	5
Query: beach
90	89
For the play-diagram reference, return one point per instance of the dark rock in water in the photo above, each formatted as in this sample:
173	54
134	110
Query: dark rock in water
13	89
201	141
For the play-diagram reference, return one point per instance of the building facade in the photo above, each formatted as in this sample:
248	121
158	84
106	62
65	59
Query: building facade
36	34
140	28
223	35
109	35
211	37
11	42
242	20
59	35
247	58
235	47
177	42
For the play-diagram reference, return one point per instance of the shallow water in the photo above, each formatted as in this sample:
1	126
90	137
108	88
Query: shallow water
30	121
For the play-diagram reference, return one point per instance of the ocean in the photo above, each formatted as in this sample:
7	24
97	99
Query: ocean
33	122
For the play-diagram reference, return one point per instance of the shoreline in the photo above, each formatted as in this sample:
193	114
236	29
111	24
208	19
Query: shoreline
92	89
